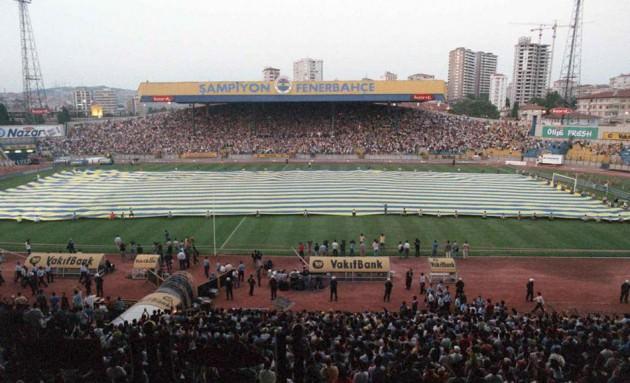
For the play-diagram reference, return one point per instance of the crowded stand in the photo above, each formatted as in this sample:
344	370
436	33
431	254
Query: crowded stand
292	128
475	341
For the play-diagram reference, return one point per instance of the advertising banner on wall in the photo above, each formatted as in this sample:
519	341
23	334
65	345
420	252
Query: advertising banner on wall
34	131
577	132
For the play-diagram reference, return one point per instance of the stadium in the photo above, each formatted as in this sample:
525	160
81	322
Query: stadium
301	187
302	230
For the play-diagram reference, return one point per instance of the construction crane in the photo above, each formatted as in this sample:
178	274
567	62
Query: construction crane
32	79
540	28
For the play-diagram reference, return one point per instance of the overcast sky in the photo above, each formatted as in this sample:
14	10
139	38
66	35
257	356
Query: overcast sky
123	42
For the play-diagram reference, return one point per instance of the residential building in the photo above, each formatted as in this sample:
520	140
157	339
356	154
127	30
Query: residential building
498	90
389	76
620	82
612	107
486	66
586	89
270	74
531	66
81	101
421	76
560	87
308	69
106	98
469	72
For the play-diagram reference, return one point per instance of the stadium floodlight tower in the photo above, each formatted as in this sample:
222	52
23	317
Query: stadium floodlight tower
32	79
572	61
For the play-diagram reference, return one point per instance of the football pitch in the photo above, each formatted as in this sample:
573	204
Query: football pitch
280	234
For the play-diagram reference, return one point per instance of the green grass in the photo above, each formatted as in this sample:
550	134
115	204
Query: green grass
279	234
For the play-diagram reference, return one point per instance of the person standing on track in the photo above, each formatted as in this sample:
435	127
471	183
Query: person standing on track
408	278
417	247
388	290
273	285
529	297
98	280
423	283
625	291
229	294
540	303
333	288
252	282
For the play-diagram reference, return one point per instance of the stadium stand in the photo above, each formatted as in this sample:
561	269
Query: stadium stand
478	341
292	128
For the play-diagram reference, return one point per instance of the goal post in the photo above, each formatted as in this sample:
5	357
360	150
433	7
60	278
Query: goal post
571	182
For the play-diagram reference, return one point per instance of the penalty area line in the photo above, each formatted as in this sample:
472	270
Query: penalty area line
232	233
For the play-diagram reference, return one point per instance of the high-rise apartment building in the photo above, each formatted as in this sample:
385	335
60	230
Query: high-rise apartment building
270	74
106	98
531	66
308	69
498	90
469	72
82	100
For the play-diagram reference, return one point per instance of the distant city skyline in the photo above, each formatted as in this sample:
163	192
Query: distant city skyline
122	43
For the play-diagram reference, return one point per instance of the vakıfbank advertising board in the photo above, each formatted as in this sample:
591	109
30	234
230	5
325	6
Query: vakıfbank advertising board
348	264
578	132
34	131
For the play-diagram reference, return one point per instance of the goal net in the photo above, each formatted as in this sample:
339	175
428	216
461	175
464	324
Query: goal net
560	180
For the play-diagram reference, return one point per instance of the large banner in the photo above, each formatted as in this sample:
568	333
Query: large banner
66	261
348	264
616	136
578	132
35	131
285	90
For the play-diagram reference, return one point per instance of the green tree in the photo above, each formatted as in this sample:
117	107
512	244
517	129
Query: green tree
551	100
63	116
4	115
475	107
514	113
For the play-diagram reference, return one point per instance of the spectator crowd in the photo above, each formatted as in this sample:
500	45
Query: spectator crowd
291	128
478	342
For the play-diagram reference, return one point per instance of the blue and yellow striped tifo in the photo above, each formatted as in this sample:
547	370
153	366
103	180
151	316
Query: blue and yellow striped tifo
95	194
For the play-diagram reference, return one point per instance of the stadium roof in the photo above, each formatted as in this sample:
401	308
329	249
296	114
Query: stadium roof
284	90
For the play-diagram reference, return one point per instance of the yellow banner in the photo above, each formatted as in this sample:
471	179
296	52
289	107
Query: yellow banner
65	261
616	136
272	155
348	264
283	86
146	261
442	265
200	155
